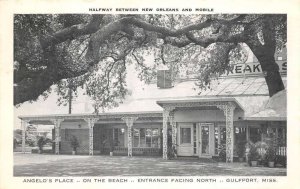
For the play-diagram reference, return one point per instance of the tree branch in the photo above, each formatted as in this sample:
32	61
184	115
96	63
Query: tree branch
98	37
72	32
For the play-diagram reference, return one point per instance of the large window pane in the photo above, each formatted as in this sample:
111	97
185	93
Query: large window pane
216	140
205	139
136	137
119	137
142	138
185	135
148	137
223	135
155	137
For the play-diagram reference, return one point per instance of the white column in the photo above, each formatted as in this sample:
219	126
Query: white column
228	112
91	124
56	123
129	122
174	130
166	114
24	126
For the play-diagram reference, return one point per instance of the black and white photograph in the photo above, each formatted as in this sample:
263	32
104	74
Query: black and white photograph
153	94
150	95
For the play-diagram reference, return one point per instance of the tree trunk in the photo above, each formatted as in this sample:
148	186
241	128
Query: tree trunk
70	97
270	69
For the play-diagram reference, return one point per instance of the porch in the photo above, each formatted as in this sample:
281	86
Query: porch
121	133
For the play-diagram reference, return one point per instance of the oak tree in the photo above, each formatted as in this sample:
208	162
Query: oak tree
93	51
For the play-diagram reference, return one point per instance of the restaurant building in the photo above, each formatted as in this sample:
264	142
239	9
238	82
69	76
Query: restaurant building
166	116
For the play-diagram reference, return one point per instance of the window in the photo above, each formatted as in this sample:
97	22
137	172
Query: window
195	138
240	135
255	134
146	138
205	139
136	137
142	138
118	136
220	138
185	135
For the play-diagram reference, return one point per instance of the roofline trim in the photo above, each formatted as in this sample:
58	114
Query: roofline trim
219	99
80	116
265	118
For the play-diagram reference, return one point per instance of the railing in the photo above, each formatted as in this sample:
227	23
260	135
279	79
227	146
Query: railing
136	151
281	156
281	151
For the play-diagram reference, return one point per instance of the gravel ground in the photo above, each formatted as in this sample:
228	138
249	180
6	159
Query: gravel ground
68	165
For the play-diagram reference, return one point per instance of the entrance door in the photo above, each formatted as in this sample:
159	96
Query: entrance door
206	147
185	133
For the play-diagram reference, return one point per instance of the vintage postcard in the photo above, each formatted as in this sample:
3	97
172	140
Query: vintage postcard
101	94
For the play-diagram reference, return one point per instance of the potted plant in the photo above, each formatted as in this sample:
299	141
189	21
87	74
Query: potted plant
41	142
271	156
74	144
253	156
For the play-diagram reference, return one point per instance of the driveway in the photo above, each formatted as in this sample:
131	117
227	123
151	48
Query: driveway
68	165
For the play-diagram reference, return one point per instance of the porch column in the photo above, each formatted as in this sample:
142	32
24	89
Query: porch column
57	123
174	130
228	112
129	122
166	115
91	124
24	126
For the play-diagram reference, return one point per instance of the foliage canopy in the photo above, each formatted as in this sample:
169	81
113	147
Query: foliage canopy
93	51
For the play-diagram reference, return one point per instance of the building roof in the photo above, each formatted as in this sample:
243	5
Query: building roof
250	94
274	108
230	86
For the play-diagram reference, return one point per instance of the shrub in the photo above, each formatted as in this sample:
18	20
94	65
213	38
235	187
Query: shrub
271	155
31	140
253	153
261	148
41	142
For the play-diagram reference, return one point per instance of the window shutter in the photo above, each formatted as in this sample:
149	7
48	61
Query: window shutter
164	79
